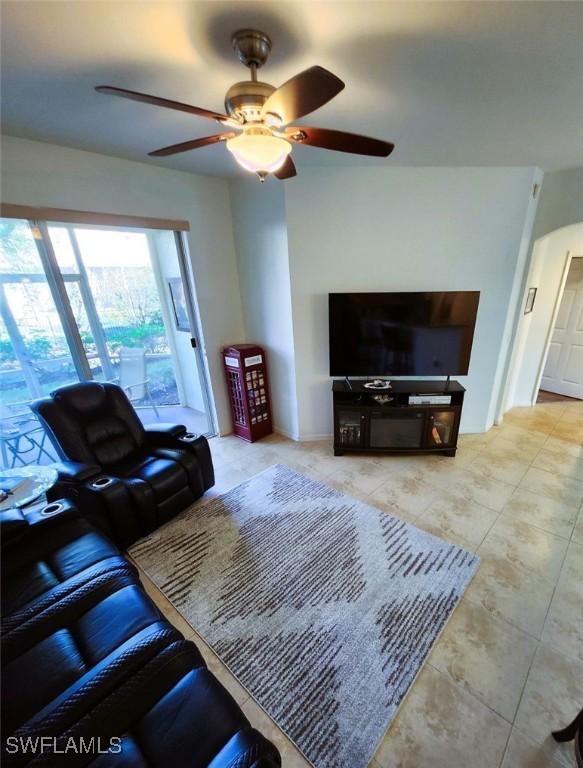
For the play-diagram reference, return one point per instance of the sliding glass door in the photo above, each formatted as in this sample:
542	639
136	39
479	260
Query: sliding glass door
35	355
108	304
70	265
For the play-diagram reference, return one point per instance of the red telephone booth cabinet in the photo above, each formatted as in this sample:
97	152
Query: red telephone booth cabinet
248	389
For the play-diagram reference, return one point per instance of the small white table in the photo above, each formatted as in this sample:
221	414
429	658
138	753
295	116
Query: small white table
38	481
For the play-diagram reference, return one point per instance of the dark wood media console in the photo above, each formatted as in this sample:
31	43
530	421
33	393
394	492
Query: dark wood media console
367	420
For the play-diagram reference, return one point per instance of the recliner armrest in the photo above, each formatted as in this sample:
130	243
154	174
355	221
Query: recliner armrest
53	513
163	435
13	525
248	749
76	472
16	523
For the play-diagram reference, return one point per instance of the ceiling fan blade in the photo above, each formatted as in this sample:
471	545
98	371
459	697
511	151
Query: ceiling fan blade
157	101
304	93
340	141
287	170
185	146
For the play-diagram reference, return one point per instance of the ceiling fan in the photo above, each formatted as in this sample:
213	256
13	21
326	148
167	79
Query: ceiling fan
258	131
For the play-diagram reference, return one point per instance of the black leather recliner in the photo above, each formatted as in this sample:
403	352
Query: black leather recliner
92	674
128	479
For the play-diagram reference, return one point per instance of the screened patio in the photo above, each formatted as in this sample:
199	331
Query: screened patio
85	303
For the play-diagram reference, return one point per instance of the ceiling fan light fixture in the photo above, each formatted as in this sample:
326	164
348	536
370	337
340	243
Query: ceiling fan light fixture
259	151
265	115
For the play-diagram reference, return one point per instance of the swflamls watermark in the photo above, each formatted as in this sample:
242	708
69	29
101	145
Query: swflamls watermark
37	745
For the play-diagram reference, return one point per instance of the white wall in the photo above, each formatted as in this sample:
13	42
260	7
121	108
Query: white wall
503	375
561	201
260	229
404	229
39	174
547	273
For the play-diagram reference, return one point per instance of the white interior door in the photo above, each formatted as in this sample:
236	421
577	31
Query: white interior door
563	371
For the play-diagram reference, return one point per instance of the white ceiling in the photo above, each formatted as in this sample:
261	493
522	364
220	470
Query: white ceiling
451	83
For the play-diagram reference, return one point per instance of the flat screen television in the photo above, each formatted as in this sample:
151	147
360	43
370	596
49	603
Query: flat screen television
402	334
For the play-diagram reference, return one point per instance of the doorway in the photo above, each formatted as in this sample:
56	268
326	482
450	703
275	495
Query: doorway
563	371
82	303
547	343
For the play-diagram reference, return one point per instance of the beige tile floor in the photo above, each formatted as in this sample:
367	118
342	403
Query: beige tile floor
508	667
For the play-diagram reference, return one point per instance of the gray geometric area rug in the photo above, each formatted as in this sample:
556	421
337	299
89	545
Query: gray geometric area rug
323	607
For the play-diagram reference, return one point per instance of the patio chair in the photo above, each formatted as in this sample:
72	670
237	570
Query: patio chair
132	376
22	437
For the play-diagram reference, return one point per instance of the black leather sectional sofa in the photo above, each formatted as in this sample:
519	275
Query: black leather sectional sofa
92	674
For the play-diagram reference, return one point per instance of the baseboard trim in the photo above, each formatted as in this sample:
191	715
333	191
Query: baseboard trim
301	438
285	433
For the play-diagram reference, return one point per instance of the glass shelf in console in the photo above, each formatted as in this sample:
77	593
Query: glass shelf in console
350	423
441	428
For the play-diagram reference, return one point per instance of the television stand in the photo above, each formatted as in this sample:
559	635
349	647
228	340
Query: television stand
412	417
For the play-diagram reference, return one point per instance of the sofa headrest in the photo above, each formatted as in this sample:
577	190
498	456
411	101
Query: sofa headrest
84	397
